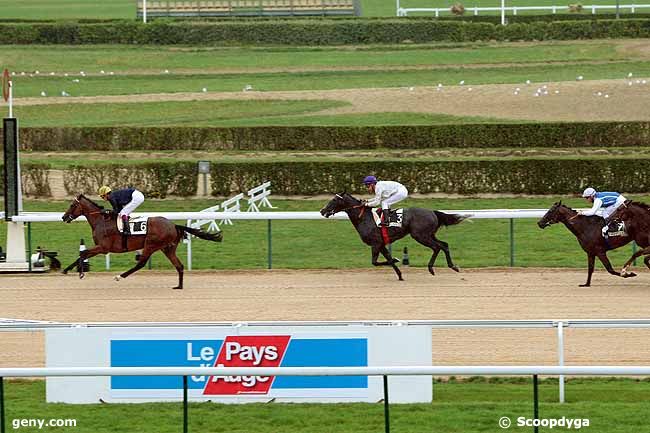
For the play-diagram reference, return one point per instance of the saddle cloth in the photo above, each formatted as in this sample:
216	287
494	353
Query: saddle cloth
616	228
138	225
395	217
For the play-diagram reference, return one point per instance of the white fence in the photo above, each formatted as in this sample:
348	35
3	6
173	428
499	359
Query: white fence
402	12
561	325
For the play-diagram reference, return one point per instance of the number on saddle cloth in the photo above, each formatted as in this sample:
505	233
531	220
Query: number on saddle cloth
138	225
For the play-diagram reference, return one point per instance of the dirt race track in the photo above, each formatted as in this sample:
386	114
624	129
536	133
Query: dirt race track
365	294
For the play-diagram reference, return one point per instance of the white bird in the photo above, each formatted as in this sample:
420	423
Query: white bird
439	84
629	75
579	78
599	93
65	75
411	89
204	90
517	89
82	73
76	80
166	71
527	81
64	93
43	94
52	73
606	96
248	87
102	72
516	92
462	82
36	72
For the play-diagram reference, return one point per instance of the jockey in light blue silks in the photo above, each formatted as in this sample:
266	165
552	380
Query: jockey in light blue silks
609	201
387	192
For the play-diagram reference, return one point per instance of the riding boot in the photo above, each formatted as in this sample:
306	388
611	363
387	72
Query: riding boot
126	231
385	218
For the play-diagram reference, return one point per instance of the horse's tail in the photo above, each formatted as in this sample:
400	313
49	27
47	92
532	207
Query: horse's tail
214	237
449	219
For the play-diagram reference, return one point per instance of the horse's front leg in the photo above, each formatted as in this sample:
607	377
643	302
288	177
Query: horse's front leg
83	256
390	261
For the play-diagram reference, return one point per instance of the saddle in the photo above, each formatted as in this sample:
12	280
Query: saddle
394	218
138	225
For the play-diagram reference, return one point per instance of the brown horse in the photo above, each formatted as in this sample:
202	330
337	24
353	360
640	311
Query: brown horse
636	216
162	234
588	231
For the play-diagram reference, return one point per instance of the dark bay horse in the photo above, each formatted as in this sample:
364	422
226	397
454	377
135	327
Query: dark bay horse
162	234
588	231
421	224
636	216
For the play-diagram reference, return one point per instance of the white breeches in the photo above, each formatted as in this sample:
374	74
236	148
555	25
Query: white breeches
608	211
399	195
136	200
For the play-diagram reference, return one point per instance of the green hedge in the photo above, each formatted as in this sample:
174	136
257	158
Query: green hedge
601	134
525	176
35	180
156	179
313	32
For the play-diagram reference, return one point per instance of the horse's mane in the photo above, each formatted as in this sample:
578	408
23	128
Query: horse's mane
640	204
91	202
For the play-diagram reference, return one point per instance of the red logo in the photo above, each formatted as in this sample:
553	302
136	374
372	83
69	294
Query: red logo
247	351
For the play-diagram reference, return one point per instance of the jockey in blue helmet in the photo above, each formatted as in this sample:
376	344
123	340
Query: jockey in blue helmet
609	201
387	192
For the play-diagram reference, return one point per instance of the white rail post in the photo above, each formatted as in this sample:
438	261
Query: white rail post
503	12
560	357
144	11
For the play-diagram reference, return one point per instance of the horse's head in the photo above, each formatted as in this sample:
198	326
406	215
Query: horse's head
79	206
553	215
341	201
74	211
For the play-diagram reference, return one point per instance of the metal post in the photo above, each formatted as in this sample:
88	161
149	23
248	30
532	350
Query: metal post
184	404
270	249
108	261
189	252
2	405
144	11
386	406
618	9
535	403
29	245
560	357
512	242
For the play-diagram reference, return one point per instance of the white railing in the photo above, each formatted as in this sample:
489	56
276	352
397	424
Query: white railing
330	371
481	213
402	12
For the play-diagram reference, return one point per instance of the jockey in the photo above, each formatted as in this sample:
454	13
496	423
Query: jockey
609	201
124	201
386	192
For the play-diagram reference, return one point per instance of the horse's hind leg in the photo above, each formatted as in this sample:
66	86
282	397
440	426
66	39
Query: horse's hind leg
445	249
170	252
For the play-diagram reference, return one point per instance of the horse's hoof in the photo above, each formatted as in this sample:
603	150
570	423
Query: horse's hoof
401	279
455	268
628	275
177	288
584	285
64	272
117	277
395	260
81	276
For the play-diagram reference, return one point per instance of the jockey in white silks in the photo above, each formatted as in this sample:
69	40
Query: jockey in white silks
609	201
386	192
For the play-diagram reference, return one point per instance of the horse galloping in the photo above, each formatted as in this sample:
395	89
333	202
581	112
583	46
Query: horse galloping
588	231
421	224
162	234
636	216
